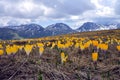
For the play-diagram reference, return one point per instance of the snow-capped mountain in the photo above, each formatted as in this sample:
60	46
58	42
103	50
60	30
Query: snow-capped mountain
27	27
59	28
90	26
118	26
36	31
28	30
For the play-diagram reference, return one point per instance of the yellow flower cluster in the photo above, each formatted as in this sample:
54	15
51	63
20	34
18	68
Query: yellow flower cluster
11	49
62	42
103	46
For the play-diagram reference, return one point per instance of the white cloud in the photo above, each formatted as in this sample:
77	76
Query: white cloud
117	10
27	6
102	9
74	17
105	11
80	22
74	12
5	21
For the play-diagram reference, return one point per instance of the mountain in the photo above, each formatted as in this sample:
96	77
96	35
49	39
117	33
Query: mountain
90	26
58	28
28	30
27	27
118	26
36	31
33	31
6	33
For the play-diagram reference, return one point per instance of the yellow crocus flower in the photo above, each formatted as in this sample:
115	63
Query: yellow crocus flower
28	48
40	44
86	45
1	52
48	44
95	43
82	47
76	45
60	45
8	49
1	46
118	48
63	57
20	47
14	48
53	45
68	44
95	56
41	50
104	47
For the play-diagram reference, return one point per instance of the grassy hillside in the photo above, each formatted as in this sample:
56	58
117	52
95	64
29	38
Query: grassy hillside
79	56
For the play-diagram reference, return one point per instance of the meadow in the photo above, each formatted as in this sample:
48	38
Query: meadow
78	56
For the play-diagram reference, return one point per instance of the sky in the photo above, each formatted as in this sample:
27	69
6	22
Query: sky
46	12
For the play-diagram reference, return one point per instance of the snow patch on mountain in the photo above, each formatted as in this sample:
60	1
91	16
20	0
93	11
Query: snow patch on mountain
90	26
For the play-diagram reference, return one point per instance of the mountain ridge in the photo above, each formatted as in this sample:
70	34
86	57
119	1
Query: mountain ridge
91	26
36	31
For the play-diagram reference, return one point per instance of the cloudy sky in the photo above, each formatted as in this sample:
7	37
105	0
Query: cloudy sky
45	12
